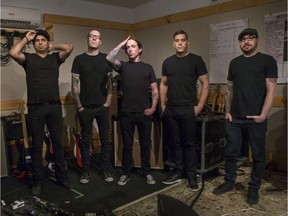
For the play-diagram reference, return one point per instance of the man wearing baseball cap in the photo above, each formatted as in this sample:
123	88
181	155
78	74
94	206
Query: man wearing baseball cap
251	87
43	33
44	106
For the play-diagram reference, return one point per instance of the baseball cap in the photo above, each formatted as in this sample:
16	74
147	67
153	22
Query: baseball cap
43	33
248	31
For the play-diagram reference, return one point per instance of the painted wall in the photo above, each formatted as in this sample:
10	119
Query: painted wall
157	42
86	9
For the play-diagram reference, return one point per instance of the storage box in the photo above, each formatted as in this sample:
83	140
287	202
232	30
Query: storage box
211	142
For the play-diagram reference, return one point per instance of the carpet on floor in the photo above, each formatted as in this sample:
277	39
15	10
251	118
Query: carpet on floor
273	197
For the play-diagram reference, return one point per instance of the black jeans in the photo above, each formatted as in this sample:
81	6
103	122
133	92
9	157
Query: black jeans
256	133
51	115
128	122
86	117
181	123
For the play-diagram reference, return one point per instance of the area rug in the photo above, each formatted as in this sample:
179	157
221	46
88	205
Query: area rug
273	197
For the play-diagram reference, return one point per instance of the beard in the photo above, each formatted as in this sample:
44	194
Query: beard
248	51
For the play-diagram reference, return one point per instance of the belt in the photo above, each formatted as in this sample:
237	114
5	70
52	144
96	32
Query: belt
92	106
45	103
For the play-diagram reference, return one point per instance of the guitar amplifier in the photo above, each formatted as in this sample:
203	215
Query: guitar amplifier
211	142
156	159
13	126
4	153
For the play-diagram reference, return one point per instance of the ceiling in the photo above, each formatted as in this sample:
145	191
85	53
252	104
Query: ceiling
122	3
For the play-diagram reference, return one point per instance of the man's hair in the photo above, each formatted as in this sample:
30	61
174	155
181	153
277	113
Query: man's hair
180	32
89	32
138	44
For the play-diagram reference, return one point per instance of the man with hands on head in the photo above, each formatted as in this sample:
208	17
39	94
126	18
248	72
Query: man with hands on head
44	105
137	79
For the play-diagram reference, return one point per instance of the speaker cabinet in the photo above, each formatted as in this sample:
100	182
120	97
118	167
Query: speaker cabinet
4	154
169	206
156	159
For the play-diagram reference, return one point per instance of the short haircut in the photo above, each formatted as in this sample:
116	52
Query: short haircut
180	32
93	30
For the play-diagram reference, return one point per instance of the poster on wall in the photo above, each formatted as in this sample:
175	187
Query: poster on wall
224	46
275	42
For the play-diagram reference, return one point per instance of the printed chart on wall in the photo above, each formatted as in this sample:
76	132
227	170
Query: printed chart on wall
275	40
224	46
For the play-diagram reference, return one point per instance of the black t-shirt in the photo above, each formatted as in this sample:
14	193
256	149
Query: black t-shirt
136	78
182	75
248	75
42	77
93	71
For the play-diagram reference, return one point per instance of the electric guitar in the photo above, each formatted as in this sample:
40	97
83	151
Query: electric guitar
49	157
49	154
25	159
76	150
77	139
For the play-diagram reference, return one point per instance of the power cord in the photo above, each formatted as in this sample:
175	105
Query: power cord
7	42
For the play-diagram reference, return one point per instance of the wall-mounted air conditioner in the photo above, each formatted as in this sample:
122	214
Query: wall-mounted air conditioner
23	18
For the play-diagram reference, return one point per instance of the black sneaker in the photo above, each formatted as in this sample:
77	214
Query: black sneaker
223	188
252	196
36	189
172	179
107	176
123	180
84	178
193	185
64	183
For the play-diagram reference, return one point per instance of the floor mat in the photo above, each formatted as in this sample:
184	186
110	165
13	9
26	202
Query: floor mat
95	197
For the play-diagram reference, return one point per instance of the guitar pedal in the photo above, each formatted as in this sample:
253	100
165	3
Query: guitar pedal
17	204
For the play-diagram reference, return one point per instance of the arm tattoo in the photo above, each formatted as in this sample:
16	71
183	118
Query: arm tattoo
228	96
76	89
155	97
111	57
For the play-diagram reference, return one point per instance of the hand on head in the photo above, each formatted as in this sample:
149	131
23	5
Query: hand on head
124	42
30	35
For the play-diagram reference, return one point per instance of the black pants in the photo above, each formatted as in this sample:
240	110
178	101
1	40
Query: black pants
86	117
181	124
128	122
256	133
51	115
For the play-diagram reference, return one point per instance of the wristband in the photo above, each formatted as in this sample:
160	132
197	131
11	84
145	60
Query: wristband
79	107
27	39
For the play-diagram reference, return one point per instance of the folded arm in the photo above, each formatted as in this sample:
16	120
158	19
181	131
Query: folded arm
111	57
65	49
